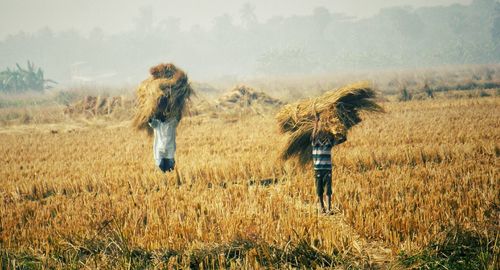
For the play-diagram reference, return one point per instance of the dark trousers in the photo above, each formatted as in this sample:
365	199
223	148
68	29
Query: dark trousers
323	178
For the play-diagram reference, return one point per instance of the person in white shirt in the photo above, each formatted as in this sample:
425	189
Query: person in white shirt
164	138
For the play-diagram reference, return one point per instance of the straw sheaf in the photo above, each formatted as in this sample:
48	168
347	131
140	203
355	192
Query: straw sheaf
97	105
166	81
245	96
333	114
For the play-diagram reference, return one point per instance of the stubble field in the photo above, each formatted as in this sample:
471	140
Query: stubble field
411	182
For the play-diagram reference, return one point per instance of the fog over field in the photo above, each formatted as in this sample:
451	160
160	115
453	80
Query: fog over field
114	42
115	16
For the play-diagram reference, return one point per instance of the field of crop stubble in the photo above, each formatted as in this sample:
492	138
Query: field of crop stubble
412	182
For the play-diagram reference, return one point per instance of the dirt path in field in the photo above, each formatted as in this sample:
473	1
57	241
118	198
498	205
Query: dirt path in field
373	253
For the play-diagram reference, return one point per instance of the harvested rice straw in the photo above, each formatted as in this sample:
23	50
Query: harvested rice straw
333	113
168	81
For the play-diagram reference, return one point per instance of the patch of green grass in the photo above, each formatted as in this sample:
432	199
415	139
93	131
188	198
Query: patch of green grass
460	249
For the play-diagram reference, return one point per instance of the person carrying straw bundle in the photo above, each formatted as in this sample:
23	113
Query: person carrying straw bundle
161	102
317	125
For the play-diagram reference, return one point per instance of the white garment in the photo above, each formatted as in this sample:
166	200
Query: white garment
164	139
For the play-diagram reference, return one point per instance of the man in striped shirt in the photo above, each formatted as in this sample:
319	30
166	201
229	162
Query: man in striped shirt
322	144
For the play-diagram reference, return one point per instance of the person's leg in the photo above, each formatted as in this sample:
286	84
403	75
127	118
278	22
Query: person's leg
319	188
163	165
167	164
328	181
170	164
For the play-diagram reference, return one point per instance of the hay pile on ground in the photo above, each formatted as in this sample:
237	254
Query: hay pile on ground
166	81
333	113
97	105
246	97
202	105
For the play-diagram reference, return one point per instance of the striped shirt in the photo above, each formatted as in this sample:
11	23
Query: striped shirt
322	156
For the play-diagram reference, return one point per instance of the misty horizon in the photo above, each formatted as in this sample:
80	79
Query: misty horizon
84	16
244	41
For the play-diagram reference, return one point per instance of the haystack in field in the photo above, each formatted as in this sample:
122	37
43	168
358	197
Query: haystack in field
166	81
201	105
97	105
333	113
243	96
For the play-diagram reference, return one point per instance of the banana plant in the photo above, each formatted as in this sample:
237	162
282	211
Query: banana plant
22	79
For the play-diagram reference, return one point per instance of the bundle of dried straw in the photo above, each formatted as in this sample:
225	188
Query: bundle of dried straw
333	113
166	81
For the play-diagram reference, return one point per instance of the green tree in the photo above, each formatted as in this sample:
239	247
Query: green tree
23	79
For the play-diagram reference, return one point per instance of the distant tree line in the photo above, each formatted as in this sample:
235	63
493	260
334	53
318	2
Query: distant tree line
323	41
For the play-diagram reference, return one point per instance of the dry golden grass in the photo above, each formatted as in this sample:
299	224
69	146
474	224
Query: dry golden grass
78	197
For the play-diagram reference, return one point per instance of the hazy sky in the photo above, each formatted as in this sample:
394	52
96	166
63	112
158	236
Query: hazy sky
118	15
